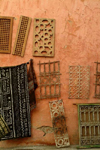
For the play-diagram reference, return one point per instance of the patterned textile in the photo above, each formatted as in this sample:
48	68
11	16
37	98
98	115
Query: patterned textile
14	100
32	83
4	129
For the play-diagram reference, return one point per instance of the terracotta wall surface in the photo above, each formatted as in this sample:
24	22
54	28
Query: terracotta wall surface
77	42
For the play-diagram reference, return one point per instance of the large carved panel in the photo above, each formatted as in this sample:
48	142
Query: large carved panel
43	42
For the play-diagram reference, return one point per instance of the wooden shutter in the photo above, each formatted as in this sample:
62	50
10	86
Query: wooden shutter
21	37
6	25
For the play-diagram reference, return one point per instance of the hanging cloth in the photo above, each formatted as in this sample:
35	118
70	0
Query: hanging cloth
14	100
32	81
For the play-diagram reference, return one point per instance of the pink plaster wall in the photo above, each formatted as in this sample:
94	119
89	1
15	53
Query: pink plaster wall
77	42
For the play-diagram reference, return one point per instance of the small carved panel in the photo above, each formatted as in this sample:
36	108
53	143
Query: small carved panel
14	100
97	81
43	44
6	25
89	124
79	81
49	79
59	123
22	35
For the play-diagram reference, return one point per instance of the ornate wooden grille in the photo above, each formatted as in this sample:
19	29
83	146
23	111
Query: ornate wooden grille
22	35
43	43
97	81
49	79
89	124
59	123
79	77
6	25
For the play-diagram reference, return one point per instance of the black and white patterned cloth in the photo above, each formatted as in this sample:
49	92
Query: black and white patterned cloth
14	100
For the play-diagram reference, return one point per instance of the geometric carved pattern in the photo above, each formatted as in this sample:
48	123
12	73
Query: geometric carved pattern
4	129
6	24
22	35
49	80
89	124
59	123
14	100
43	43
97	81
79	77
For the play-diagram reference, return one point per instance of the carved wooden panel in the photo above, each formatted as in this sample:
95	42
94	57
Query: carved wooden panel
43	43
89	124
22	35
6	25
14	100
59	123
79	81
49	79
97	81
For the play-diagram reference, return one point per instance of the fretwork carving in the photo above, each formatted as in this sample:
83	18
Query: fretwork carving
59	123
79	81
43	43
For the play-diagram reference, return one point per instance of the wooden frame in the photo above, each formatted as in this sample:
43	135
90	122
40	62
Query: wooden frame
10	35
97	81
49	80
80	123
20	50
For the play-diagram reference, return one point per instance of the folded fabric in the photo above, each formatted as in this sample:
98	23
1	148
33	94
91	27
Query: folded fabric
32	83
4	129
14	100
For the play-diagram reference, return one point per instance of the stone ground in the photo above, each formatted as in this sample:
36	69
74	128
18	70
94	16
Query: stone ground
45	148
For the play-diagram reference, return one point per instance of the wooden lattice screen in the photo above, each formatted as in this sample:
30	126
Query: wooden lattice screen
49	79
79	81
22	35
6	25
89	125
97	81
